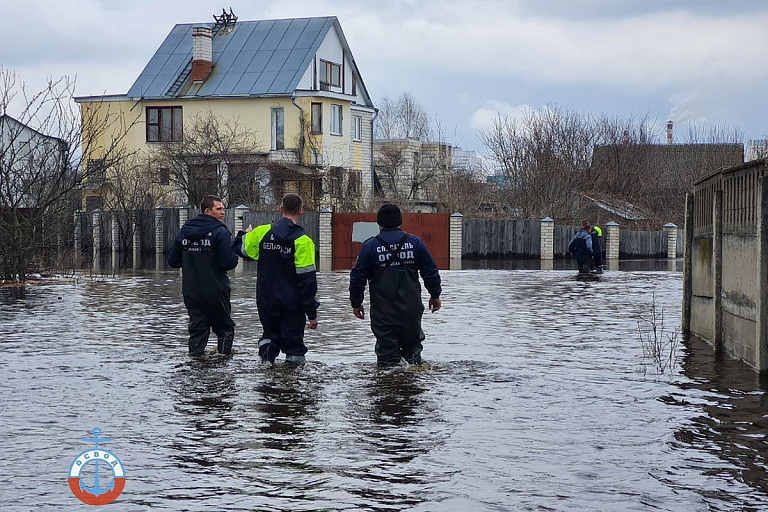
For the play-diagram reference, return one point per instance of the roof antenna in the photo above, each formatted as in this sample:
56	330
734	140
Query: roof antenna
224	23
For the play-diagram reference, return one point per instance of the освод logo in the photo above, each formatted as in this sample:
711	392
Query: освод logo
99	493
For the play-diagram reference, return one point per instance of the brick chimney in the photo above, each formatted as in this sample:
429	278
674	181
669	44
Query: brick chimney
670	126
202	53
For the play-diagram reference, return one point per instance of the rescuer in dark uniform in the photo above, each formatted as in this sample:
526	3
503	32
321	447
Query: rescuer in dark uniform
286	281
203	251
597	249
581	247
391	262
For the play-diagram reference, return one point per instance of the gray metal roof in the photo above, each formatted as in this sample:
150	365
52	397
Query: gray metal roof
255	58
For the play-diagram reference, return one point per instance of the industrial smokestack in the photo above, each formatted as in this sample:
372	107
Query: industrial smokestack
670	125
202	53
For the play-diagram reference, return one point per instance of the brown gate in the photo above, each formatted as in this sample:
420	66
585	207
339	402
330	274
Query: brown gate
351	229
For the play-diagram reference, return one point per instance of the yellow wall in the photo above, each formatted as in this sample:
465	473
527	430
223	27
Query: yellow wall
252	113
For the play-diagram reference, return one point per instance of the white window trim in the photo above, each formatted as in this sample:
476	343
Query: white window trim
274	128
340	119
357	128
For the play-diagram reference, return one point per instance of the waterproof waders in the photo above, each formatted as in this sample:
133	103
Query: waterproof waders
396	312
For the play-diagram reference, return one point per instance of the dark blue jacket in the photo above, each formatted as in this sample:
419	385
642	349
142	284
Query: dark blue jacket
286	279
413	254
203	250
581	246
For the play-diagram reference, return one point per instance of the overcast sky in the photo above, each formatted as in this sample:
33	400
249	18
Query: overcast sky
466	61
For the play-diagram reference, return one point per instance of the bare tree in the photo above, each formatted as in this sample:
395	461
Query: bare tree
404	118
43	148
216	156
544	158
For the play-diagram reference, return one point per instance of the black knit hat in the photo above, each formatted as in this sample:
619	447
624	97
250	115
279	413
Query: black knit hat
389	216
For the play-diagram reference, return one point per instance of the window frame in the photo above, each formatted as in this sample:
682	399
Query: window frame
158	125
340	119
275	142
326	73
319	129
357	128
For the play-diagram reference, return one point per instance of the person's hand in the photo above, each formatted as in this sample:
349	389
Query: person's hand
250	228
359	312
313	324
434	304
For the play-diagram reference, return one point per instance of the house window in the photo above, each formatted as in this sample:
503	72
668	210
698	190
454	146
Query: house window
317	118
335	119
96	171
330	73
354	86
164	124
278	129
357	128
164	176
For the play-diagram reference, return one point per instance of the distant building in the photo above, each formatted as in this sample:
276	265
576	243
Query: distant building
467	160
756	148
29	160
408	170
654	178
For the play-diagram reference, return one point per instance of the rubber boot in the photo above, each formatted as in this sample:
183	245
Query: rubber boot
226	338
268	351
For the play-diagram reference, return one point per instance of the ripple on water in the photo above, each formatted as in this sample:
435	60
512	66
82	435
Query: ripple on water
535	400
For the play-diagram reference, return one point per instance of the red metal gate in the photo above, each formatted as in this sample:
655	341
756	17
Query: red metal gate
433	228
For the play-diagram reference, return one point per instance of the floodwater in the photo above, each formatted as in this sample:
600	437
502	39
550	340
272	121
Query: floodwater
539	398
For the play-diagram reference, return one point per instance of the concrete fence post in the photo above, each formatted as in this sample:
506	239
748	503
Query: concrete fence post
325	240
78	233
547	243
240	212
671	230
687	262
183	215
717	260
136	240
159	230
612	234
96	226
115	239
761	334
455	240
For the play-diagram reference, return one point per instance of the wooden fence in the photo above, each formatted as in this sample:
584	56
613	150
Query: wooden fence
488	238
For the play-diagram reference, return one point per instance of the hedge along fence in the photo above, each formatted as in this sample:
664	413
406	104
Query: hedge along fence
488	238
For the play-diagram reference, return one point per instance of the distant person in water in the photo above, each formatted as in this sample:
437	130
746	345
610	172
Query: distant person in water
597	250
391	262
581	247
203	251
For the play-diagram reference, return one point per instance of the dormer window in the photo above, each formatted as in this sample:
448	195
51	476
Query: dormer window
330	73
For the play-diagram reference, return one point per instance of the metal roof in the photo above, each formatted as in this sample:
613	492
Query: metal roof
255	58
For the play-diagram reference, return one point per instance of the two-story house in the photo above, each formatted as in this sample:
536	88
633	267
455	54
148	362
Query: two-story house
248	110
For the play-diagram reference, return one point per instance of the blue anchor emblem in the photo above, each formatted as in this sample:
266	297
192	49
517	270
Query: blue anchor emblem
97	490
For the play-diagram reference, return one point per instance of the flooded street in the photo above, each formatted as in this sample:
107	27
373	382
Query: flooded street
539	398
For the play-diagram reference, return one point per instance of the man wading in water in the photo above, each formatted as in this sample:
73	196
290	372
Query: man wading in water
202	250
391	261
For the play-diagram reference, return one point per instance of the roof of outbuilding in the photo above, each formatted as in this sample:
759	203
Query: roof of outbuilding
255	58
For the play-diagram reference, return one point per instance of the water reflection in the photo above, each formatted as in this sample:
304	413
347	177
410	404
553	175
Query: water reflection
206	392
535	401
729	404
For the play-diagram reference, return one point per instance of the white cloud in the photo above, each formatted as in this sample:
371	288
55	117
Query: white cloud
484	117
